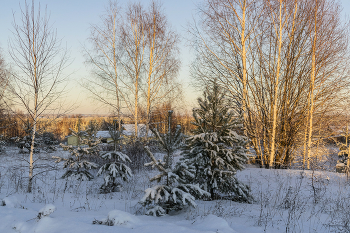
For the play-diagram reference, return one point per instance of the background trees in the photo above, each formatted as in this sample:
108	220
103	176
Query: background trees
162	64
104	57
329	66
135	59
294	55
4	81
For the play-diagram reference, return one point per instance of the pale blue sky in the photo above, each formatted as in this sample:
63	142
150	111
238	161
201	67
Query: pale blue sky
72	19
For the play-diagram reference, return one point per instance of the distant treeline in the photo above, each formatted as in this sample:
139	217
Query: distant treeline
12	125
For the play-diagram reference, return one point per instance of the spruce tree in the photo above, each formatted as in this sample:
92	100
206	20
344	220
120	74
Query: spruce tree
49	142
24	143
343	163
173	191
217	149
78	164
44	141
2	144
116	167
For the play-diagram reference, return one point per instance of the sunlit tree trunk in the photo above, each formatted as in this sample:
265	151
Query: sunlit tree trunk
276	85
312	87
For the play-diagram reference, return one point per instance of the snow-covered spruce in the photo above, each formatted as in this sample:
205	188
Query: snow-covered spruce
116	169
117	218
78	164
173	192
217	150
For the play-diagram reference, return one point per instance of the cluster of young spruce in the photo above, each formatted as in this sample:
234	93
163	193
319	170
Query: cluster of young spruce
209	162
206	170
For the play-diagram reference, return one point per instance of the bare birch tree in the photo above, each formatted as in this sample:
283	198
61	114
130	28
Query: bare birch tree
4	81
134	59
104	57
329	44
39	62
133	42
161	63
312	84
226	30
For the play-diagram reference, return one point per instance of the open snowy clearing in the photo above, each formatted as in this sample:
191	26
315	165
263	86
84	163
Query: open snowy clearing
285	201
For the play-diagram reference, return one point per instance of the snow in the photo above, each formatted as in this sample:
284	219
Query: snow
205	224
129	129
21	220
10	201
103	134
121	218
284	200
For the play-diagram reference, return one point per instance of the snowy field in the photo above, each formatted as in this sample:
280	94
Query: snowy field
285	201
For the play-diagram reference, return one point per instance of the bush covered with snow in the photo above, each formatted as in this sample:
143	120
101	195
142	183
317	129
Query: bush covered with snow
46	211
118	218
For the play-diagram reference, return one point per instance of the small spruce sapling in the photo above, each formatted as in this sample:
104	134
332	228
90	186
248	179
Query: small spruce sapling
78	164
173	192
2	144
91	141
49	142
24	143
116	168
43	141
217	150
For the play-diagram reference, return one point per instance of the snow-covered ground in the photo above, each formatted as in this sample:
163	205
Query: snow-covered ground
285	201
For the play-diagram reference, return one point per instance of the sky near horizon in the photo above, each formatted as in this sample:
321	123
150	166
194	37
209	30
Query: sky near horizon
72	19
